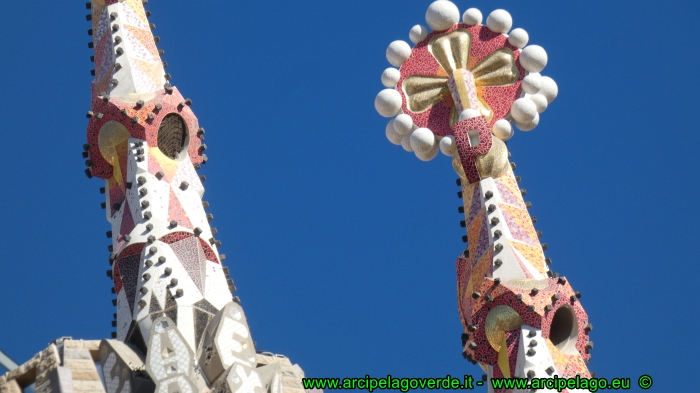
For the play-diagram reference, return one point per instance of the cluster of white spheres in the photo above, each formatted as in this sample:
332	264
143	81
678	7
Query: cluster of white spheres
539	100
538	91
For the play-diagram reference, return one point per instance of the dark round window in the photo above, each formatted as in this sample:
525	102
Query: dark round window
564	330
172	135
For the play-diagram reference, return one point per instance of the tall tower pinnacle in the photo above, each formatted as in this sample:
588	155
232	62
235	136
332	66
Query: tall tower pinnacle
175	310
126	58
458	91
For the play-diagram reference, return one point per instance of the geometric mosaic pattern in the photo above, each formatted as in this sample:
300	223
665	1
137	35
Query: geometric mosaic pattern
459	90
166	265
505	266
191	256
140	66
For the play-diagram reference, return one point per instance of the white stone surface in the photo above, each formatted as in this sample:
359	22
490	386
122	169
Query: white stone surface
429	155
448	146
468	114
538	362
131	77
523	110
529	126
406	142
472	16
116	222
232	338
539	100
391	133
185	324
390	77
422	141
499	21
398	52
533	58
502	129
186	172
216	288
518	38
158	198
134	169
510	268
418	33
531	83
549	89
388	103
108	210
124	315
403	124
191	293
441	15
161	364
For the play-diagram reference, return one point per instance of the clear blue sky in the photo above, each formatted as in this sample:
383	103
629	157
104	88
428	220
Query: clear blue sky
342	245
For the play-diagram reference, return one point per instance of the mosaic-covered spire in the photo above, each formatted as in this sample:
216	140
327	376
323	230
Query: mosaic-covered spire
126	57
173	294
459	90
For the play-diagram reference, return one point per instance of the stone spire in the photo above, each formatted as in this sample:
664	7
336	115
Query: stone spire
126	58
460	90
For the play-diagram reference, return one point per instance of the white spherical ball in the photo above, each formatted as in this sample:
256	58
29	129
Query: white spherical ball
388	102
418	33
539	100
442	15
529	125
403	124
523	110
390	77
398	52
518	38
472	17
391	134
429	155
499	21
422	140
406	142
532	83
502	130
549	89
468	114
448	146
533	58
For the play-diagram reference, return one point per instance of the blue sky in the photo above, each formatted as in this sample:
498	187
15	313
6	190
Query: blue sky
342	245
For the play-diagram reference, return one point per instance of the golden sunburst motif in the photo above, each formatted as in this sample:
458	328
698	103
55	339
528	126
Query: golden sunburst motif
112	140
500	320
451	50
